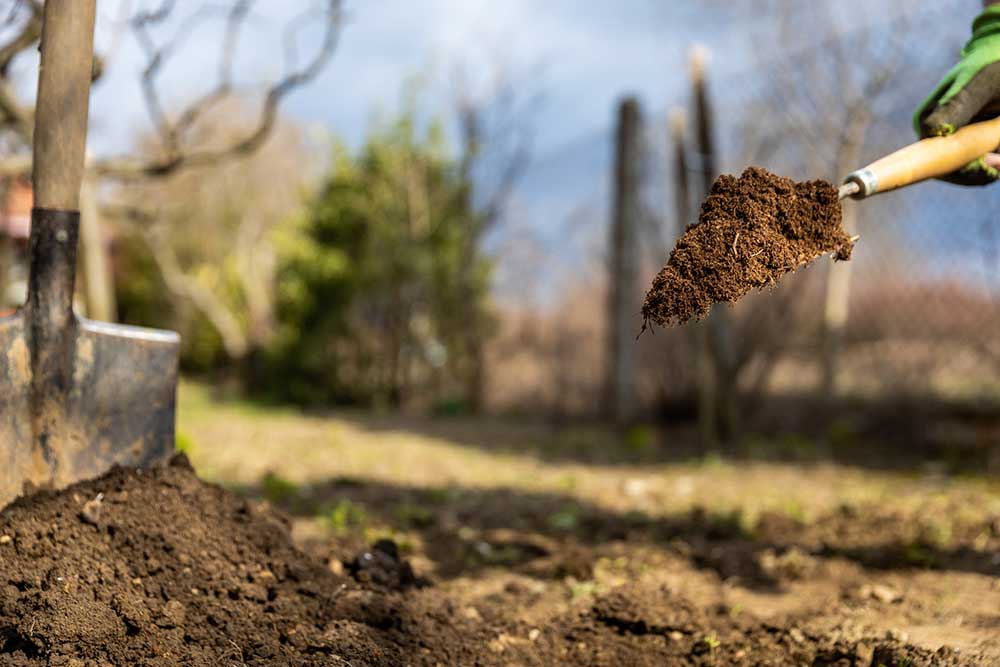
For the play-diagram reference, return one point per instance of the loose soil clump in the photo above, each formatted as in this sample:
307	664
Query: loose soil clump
751	231
157	569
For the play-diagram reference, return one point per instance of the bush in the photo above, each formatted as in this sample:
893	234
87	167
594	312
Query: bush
377	280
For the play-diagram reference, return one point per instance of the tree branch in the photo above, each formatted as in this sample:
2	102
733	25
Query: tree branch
24	39
186	288
174	156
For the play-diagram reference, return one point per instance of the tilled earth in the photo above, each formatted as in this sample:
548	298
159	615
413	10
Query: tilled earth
160	568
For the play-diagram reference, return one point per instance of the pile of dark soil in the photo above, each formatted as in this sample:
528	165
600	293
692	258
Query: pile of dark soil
751	231
157	568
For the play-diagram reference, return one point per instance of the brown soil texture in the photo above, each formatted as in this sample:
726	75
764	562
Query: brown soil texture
751	231
158	568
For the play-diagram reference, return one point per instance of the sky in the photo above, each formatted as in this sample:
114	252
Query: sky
582	54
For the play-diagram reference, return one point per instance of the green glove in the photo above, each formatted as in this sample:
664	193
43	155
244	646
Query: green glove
968	93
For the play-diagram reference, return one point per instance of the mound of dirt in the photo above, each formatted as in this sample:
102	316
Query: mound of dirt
751	231
157	569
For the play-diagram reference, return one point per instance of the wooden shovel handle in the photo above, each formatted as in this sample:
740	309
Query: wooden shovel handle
929	158
61	110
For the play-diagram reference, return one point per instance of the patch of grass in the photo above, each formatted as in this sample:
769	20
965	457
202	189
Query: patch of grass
707	644
936	532
918	554
184	443
568	483
581	589
414	516
711	461
566	519
796	512
277	489
724	524
639	438
199	399
346	516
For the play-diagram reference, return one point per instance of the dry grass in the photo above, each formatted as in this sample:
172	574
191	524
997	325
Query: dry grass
238	444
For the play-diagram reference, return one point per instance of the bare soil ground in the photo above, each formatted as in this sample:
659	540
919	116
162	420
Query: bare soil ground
354	540
546	545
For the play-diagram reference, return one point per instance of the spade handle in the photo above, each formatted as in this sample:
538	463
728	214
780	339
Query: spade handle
63	102
927	158
59	144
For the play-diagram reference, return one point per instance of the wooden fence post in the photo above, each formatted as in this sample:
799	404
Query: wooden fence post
719	322
698	332
623	266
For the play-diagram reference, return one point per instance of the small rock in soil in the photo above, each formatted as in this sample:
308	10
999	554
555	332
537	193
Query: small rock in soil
91	512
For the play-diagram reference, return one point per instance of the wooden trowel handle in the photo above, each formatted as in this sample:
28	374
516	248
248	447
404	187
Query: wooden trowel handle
61	110
928	158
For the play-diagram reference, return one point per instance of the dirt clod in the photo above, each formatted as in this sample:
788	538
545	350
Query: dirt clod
751	231
381	566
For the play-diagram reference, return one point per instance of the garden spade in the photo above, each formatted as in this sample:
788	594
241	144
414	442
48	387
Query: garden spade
76	397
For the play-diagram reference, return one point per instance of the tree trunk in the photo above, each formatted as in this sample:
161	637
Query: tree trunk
623	270
97	276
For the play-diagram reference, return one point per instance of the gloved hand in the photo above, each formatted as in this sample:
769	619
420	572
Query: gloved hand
970	92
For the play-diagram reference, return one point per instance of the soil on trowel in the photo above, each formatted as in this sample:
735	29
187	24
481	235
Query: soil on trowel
751	231
157	568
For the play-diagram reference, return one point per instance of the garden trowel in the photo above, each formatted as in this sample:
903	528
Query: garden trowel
76	397
933	157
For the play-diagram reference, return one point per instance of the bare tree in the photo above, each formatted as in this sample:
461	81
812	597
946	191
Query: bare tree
178	140
496	137
830	94
212	233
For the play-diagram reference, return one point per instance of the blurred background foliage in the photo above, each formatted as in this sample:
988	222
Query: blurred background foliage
318	280
463	252
372	278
